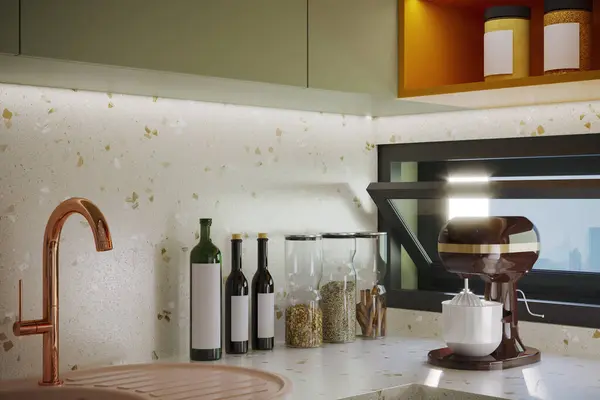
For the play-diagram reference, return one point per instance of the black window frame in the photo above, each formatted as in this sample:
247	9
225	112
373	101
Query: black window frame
564	297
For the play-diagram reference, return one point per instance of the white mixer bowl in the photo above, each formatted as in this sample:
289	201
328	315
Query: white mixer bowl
474	331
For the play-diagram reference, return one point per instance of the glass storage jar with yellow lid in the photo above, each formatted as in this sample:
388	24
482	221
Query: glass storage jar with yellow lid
506	42
303	269
338	289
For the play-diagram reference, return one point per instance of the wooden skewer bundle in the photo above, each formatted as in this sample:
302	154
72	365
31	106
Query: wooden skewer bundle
371	312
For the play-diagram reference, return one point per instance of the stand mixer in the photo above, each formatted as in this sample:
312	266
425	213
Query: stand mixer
499	250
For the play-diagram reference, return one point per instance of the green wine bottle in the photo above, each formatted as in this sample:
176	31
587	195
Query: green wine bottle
205	297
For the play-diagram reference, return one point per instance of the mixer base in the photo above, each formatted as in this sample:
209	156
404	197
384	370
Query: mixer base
446	359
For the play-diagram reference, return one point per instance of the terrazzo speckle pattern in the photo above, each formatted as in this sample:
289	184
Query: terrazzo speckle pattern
379	369
547	120
419	392
154	166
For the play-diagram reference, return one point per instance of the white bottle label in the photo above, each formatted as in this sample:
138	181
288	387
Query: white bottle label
561	46
266	315
239	318
498	53
206	306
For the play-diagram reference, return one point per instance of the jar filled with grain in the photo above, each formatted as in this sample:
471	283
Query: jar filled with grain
304	270
371	265
567	36
338	289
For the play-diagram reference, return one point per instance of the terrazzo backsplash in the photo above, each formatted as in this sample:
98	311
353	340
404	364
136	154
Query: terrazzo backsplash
154	166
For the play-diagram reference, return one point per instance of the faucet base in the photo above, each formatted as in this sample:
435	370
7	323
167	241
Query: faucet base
57	383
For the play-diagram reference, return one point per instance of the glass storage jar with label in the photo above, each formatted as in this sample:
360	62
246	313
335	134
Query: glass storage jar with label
506	42
371	265
303	269
567	36
338	290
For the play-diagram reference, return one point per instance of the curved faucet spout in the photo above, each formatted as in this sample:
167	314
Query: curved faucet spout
89	211
48	325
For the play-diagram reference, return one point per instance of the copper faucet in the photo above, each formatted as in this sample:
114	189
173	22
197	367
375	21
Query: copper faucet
48	325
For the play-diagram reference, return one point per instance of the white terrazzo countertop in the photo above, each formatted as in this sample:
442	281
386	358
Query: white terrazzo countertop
367	366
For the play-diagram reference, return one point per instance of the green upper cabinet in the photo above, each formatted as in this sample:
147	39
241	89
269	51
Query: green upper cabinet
9	26
352	45
258	40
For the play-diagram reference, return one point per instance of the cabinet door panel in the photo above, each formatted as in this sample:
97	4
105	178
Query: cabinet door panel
352	45
9	26
257	40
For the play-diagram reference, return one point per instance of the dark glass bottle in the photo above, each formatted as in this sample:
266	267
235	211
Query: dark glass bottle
205	297
236	302
263	301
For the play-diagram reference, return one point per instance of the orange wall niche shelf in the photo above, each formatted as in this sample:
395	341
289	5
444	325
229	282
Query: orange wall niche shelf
440	58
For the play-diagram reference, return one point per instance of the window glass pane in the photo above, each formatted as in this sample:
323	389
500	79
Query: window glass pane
476	207
569	230
406	172
458	207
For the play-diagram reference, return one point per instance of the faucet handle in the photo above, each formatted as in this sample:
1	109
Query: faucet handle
17	324
20	314
20	327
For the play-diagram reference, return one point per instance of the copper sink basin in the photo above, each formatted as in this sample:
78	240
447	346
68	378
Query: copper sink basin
67	393
156	382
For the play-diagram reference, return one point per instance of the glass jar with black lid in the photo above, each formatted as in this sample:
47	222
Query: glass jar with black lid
304	270
370	262
338	290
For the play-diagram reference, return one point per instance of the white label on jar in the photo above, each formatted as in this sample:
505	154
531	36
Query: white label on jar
561	46
239	318
498	53
206	306
266	315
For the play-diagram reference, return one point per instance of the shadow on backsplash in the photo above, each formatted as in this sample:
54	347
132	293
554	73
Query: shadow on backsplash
351	195
169	259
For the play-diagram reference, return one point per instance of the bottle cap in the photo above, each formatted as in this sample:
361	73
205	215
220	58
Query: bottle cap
497	12
206	221
262	236
558	5
236	236
311	237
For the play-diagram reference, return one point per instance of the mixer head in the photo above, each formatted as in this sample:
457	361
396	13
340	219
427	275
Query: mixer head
498	249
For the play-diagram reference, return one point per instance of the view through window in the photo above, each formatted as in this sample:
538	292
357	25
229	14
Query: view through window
569	229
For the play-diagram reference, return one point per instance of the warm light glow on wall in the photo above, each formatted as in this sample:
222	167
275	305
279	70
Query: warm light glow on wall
468	207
